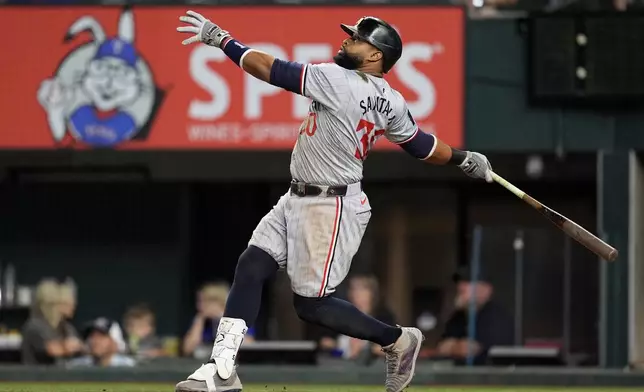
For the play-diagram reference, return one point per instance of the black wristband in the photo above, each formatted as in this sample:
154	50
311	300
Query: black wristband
458	157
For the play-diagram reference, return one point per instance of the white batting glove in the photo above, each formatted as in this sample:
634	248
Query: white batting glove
477	166
205	31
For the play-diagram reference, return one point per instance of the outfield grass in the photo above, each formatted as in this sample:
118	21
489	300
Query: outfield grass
117	387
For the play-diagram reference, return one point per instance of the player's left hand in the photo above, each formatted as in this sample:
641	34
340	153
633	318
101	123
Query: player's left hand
205	31
477	166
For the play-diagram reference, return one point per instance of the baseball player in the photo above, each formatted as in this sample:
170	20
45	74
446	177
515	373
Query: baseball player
315	229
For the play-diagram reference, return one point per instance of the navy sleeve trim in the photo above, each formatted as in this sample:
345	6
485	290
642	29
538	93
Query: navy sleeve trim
288	75
421	145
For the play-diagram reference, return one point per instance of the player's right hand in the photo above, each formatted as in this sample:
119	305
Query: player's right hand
477	166
205	31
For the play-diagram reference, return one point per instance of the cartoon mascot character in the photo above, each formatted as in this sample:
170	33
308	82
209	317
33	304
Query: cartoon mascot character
103	93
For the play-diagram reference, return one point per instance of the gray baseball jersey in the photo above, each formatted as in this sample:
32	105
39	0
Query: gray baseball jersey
349	113
315	238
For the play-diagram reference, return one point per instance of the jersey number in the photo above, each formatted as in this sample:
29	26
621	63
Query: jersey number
369	135
368	139
309	125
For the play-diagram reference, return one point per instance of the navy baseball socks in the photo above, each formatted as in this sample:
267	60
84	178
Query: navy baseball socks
344	318
254	268
401	345
218	375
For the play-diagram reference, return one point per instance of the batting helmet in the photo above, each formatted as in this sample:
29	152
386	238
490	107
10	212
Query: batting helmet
380	34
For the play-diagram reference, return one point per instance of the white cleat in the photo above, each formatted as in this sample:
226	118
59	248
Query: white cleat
206	379
220	373
400	359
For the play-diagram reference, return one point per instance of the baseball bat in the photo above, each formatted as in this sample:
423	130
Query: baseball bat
581	235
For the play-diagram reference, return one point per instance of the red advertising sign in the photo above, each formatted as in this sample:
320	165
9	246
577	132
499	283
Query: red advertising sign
96	76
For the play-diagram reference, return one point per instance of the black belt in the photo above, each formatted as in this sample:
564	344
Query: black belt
302	190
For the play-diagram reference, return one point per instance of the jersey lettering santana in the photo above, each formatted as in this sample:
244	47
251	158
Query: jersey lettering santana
350	111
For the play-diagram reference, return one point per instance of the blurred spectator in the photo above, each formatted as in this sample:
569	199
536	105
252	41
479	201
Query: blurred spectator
43	339
67	307
140	327
493	326
103	349
68	299
211	302
364	293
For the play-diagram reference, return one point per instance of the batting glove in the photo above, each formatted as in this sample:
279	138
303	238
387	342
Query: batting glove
477	166
205	31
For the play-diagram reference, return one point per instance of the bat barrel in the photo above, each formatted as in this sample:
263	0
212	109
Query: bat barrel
589	240
612	255
581	235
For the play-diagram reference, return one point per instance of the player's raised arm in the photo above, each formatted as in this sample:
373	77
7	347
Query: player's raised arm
318	82
256	63
427	147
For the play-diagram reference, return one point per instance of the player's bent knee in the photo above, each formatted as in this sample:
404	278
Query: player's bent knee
255	265
307	307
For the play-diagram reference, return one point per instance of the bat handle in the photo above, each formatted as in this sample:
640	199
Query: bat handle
504	183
